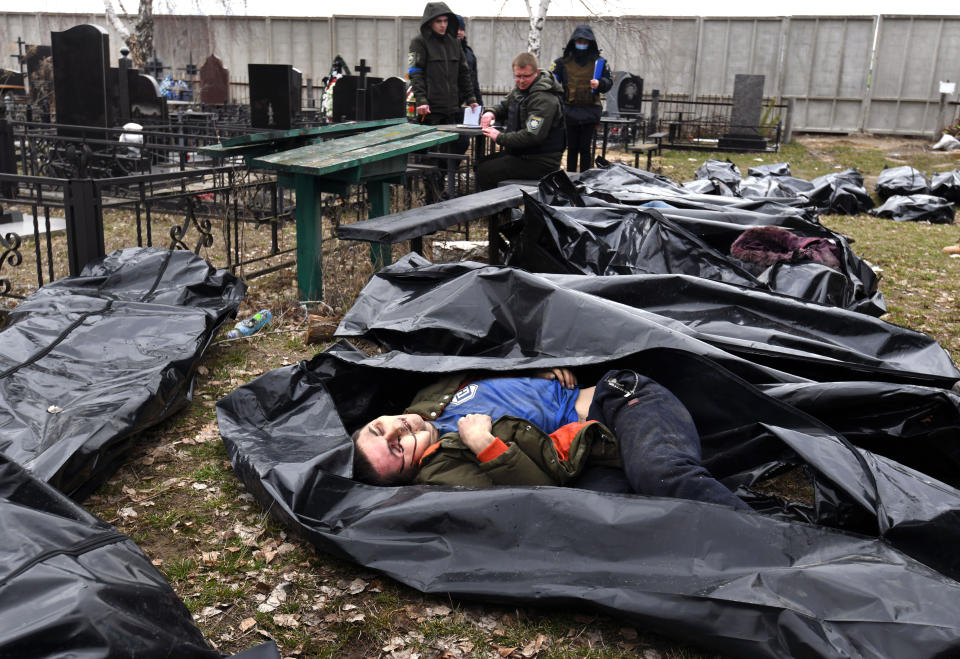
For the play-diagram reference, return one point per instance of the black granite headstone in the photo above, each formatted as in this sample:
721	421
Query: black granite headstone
388	99
146	101
80	76
274	95
214	82
345	98
625	97
629	95
744	132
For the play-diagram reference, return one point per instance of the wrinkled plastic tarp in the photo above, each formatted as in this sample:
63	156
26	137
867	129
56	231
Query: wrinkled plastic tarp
577	231
88	361
72	585
947	185
838	192
770	169
723	171
760	378
916	208
901	181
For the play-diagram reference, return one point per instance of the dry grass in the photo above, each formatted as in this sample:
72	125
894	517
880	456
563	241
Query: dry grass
246	579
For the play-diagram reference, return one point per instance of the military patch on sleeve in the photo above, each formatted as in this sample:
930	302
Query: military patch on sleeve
411	60
534	122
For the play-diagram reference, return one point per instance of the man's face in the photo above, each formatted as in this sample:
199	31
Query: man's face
439	24
461	33
395	444
524	76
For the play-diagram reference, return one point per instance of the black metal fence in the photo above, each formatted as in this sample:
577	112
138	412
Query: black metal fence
108	188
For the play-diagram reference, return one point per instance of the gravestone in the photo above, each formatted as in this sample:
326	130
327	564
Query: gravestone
146	101
744	132
80	77
345	98
39	61
214	82
388	99
274	95
625	96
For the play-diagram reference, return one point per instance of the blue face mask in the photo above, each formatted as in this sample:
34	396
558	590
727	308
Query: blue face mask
581	46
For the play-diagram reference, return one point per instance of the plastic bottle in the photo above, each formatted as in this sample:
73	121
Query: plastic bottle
250	325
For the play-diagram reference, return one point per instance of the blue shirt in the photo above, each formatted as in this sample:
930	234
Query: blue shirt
545	403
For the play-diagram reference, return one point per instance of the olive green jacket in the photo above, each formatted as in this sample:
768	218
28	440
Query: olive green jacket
533	118
530	457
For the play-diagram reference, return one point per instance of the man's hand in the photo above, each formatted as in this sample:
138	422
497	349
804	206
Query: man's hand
594	83
486	119
423	110
474	105
476	432
562	375
491	132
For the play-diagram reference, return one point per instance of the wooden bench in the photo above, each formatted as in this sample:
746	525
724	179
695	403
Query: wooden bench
647	147
415	223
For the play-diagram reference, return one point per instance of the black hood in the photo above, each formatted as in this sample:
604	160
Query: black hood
434	10
582	32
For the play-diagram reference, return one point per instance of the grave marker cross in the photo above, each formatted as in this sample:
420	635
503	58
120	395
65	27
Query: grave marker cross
363	70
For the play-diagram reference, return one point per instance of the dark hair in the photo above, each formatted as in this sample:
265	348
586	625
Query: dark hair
363	470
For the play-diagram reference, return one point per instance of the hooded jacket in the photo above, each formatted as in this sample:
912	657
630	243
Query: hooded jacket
436	65
533	118
575	70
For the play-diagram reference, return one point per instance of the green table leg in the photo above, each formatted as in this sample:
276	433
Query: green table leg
379	194
309	237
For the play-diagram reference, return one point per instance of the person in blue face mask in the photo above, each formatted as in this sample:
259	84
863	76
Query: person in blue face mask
582	84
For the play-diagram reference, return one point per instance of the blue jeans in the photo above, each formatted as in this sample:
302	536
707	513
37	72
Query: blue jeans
659	444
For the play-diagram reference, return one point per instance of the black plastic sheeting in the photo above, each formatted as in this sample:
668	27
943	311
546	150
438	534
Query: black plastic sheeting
722	171
71	585
947	185
867	570
582	228
916	208
837	192
901	181
89	361
770	169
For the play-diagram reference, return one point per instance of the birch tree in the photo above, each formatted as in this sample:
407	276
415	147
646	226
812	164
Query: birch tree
137	36
537	18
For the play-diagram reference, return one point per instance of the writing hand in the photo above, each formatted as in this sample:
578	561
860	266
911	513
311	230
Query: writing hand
486	119
476	432
423	110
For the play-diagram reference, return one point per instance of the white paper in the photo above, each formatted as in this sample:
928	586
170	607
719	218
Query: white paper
471	116
947	87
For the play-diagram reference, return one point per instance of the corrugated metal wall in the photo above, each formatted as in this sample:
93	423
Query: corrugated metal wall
823	62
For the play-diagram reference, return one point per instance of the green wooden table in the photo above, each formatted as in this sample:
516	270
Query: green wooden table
258	144
376	158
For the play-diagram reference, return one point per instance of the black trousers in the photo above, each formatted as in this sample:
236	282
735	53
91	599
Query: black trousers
579	142
502	167
659	443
